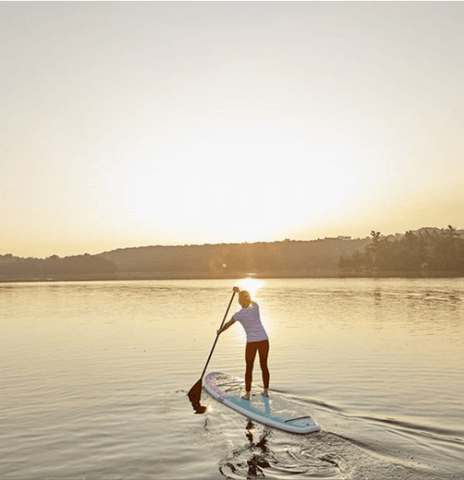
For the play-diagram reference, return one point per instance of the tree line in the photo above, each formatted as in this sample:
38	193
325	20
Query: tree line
11	266
286	258
430	249
274	258
426	249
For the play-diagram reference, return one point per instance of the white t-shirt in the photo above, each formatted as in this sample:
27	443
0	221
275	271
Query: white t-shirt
251	321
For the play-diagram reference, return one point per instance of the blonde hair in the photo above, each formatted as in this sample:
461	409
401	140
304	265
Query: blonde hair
244	295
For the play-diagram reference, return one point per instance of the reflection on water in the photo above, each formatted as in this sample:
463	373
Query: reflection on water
252	285
252	458
95	377
267	406
264	456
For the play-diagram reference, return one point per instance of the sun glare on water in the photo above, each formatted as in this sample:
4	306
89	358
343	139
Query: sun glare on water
252	285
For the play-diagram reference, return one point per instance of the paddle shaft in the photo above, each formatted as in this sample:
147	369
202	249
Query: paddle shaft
217	337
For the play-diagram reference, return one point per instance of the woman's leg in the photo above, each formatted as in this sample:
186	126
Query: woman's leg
250	354
263	350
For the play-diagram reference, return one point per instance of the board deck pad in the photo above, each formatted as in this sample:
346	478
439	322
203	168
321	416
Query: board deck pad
275	411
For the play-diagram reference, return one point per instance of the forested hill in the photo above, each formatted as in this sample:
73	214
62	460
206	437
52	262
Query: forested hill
55	268
287	258
427	249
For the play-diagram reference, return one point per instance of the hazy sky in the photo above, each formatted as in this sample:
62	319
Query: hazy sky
130	124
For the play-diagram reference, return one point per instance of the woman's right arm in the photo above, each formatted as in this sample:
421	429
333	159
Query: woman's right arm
226	326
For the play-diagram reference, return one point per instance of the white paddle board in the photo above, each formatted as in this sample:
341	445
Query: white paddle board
275	411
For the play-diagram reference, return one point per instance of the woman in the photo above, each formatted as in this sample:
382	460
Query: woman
257	340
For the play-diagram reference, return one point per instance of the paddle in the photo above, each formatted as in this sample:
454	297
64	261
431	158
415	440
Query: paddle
195	392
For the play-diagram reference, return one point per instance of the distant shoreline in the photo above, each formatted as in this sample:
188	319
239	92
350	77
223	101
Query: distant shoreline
128	276
427	253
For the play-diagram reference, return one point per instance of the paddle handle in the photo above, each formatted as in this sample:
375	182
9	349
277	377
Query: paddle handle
217	336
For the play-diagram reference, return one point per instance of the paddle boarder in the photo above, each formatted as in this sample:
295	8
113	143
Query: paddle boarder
257	339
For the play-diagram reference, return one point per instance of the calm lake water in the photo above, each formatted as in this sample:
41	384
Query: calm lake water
94	377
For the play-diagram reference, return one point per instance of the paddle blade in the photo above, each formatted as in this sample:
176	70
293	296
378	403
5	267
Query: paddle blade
194	396
195	393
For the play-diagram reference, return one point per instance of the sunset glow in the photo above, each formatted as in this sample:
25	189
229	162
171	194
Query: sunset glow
131	124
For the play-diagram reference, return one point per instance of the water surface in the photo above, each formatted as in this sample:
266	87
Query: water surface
95	376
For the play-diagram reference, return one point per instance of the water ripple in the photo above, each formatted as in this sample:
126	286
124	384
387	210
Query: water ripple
260	457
